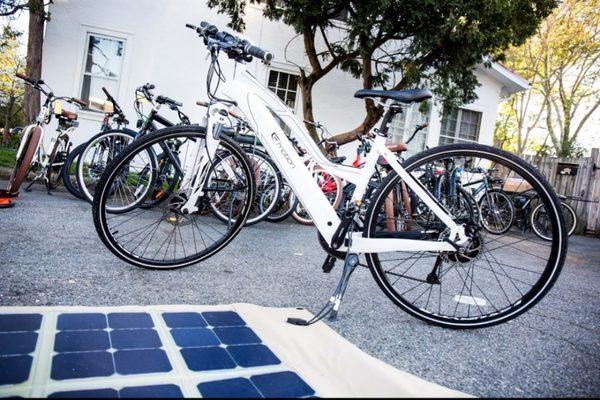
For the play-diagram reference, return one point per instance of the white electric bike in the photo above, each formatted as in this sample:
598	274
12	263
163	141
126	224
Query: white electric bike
445	269
41	153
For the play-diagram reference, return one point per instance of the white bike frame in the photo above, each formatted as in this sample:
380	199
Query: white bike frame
258	104
42	155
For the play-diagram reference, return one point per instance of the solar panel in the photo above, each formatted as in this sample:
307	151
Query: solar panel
86	349
225	343
162	354
18	338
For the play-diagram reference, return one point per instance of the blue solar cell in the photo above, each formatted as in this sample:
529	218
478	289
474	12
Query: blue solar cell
14	369
141	361
237	335
223	318
155	391
135	339
17	343
129	320
194	337
229	388
73	322
81	341
92	393
184	320
207	358
252	355
20	322
282	384
81	365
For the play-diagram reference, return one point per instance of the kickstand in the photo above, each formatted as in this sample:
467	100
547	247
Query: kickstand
28	188
333	305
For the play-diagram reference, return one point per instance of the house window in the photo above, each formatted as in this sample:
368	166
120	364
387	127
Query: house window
284	85
403	125
103	62
460	125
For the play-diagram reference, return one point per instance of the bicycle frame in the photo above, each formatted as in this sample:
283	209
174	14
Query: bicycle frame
257	104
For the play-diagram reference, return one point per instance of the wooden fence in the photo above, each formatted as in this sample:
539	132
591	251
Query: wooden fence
578	177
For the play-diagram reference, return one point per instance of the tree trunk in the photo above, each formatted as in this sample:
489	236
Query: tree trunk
306	84
31	101
7	118
369	122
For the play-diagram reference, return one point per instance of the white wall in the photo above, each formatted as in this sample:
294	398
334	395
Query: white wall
159	49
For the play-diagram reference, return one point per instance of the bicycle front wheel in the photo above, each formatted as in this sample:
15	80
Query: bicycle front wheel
495	277
540	224
162	235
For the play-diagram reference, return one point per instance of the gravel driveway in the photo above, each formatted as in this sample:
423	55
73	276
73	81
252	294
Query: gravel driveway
50	255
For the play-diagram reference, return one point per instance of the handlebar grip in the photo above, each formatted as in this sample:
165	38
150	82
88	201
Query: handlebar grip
107	94
26	79
194	27
80	102
259	53
202	103
148	86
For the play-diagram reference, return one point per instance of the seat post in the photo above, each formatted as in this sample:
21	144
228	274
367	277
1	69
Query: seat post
387	118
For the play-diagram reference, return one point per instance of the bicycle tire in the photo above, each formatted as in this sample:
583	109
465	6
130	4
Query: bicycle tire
551	270
54	173
502	194
24	160
298	212
85	187
71	163
100	217
564	206
279	214
254	155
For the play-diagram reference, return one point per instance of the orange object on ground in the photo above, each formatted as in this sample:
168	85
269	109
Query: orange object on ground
6	199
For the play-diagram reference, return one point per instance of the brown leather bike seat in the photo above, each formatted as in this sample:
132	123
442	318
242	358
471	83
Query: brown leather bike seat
397	147
71	116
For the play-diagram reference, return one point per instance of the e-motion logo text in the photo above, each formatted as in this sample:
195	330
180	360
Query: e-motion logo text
282	150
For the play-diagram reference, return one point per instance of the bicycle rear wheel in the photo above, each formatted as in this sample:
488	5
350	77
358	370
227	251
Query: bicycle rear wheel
286	205
56	163
69	172
25	156
497	211
97	155
161	235
330	185
496	277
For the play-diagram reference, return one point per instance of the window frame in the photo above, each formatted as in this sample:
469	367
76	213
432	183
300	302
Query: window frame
284	70
407	128
459	119
88	32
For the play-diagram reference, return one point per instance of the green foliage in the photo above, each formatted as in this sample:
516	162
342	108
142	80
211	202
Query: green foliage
7	157
11	89
423	42
562	63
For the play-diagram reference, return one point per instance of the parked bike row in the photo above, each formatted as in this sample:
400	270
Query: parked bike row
462	236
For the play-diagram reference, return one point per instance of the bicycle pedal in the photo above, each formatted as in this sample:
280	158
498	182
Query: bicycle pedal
328	264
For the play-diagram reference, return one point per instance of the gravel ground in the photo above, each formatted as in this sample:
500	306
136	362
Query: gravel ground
50	255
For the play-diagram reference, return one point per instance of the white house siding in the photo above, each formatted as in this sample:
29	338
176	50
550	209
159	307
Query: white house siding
159	49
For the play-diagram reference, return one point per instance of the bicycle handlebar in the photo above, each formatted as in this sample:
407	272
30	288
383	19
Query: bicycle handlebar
235	47
26	79
166	100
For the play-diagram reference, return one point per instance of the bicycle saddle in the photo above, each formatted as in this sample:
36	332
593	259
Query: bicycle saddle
403	96
68	115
